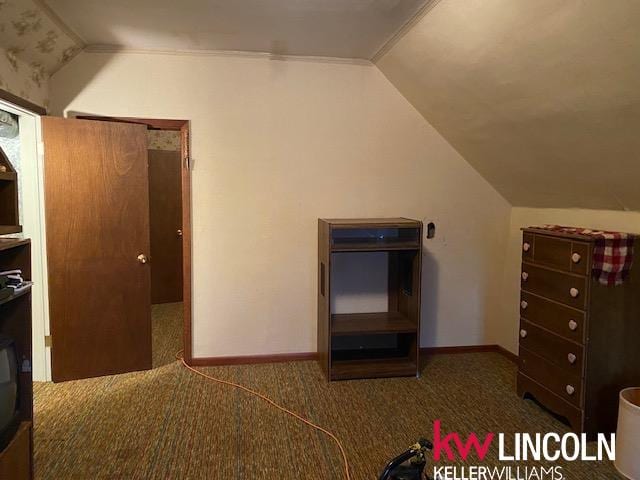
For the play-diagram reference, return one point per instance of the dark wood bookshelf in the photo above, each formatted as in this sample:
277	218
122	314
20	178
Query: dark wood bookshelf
9	216
15	322
379	344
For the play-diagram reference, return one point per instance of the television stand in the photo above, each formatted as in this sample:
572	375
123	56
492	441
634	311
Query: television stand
365	344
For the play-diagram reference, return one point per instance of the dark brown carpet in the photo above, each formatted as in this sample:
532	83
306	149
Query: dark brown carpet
171	424
166	332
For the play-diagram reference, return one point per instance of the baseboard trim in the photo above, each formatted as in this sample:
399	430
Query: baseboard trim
470	349
297	357
251	359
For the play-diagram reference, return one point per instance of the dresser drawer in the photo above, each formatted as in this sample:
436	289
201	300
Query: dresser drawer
564	384
561	320
561	287
563	254
562	353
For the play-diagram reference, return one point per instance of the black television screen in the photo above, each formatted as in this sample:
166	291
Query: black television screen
8	391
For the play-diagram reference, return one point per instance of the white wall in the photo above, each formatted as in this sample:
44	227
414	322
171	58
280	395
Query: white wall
279	143
506	330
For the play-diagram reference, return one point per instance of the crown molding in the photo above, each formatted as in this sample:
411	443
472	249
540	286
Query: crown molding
404	29
226	53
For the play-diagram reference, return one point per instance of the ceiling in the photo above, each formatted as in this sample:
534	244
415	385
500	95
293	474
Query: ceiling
541	97
29	32
329	28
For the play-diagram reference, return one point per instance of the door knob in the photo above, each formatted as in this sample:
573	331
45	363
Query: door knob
179	233
142	258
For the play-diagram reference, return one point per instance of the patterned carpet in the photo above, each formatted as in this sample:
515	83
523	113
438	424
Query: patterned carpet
166	332
168	423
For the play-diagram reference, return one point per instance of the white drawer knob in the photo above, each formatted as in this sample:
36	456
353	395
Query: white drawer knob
572	358
574	292
526	246
570	389
575	258
523	333
525	275
572	325
524	304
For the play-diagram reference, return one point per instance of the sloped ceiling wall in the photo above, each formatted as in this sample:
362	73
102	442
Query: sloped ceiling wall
541	97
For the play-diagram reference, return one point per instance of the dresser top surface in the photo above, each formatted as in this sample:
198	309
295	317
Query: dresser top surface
570	235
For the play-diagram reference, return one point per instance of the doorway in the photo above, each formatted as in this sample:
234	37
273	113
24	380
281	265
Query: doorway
123	235
165	225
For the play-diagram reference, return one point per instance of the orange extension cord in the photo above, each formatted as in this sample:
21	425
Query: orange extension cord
271	402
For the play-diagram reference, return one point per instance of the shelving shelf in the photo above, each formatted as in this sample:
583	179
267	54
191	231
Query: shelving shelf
8	243
380	344
371	323
363	246
23	291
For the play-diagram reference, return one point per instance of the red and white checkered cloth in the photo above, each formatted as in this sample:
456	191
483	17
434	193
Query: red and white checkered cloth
612	252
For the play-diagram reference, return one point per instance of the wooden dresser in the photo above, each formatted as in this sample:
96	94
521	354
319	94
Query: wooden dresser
579	339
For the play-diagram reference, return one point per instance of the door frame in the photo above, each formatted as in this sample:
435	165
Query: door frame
182	126
32	212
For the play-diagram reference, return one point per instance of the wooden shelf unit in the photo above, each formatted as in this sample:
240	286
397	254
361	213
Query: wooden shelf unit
9	216
379	344
15	322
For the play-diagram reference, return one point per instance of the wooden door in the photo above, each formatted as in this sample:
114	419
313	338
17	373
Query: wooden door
165	205
97	223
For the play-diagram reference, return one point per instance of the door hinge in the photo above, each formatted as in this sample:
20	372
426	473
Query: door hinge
48	341
187	163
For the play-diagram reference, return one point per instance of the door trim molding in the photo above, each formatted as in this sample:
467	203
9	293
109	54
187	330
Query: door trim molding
184	127
22	103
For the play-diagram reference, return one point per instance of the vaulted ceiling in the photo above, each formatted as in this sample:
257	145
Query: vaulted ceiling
332	28
541	97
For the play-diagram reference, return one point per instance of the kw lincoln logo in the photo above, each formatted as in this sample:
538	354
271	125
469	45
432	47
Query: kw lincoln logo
524	447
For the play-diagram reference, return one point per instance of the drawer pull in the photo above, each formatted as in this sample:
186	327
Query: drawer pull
524	304
574	292
523	333
525	275
570	389
575	258
526	246
572	358
572	325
